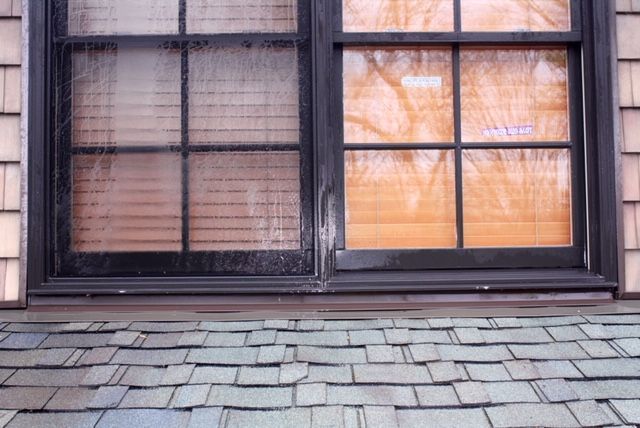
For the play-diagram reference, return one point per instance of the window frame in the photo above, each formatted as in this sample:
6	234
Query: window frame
67	262
601	225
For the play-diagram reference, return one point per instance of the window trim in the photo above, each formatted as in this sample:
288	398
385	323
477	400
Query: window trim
600	161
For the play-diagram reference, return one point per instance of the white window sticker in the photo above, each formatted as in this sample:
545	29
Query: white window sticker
422	81
508	131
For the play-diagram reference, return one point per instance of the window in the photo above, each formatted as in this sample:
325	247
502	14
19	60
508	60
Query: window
460	140
184	137
300	142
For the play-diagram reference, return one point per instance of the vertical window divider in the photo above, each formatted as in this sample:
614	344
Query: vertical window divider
184	123
457	22
458	149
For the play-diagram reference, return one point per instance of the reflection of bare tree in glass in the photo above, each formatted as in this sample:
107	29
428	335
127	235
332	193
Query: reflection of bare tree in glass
412	114
400	199
393	15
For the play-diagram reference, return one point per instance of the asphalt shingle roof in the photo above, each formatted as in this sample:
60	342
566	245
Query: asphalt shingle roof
549	371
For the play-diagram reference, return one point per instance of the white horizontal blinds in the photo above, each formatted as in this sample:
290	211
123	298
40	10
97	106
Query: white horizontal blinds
126	97
87	17
126	202
400	199
130	98
517	197
242	16
244	201
243	95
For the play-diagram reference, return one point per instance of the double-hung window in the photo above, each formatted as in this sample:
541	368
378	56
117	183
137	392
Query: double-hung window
461	134
183	136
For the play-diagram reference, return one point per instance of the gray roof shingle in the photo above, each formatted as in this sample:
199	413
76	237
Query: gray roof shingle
561	371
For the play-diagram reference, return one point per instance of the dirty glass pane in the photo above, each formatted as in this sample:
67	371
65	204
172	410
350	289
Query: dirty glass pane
398	95
101	17
244	201
242	16
126	202
400	199
515	15
516	198
126	97
514	94
397	15
243	95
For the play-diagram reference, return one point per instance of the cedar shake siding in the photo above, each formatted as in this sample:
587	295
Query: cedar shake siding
10	103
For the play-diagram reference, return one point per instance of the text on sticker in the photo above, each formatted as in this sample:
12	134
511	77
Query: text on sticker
509	130
422	81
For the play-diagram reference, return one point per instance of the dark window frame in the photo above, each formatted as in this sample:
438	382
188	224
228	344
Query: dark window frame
461	257
596	19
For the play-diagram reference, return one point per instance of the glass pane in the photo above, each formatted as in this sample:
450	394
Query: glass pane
397	15
243	95
127	202
398	95
122	16
516	198
126	97
514	95
233	16
244	201
400	199
515	15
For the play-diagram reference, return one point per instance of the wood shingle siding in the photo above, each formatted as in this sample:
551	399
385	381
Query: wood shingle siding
628	34
10	102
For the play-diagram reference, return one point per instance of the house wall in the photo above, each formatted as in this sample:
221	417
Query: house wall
628	37
10	106
628	48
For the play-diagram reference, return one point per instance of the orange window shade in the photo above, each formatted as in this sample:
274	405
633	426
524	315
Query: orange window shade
101	17
514	95
244	16
243	95
516	198
397	15
400	199
244	201
126	97
398	95
127	202
515	15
